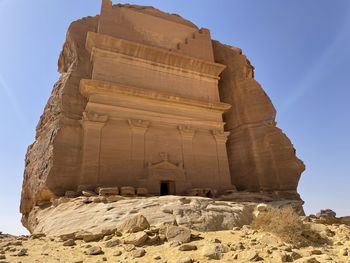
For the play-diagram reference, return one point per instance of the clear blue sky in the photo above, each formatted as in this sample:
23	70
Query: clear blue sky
300	49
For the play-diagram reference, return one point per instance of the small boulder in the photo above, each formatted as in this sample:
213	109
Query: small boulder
88	193
187	247
69	243
134	224
129	247
92	237
251	255
178	233
138	253
107	191
137	239
93	250
112	243
214	251
22	252
127	191
184	260
327	216
37	235
117	253
65	237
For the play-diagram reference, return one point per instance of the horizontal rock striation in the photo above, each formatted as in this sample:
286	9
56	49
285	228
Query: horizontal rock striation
66	155
53	160
261	157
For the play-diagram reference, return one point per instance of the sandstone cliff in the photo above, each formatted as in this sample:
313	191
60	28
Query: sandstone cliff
52	161
261	157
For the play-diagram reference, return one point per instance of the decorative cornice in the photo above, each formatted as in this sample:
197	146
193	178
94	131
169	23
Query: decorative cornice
97	87
153	54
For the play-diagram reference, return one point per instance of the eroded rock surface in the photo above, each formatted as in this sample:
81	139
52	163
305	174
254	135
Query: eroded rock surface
77	149
129	215
261	157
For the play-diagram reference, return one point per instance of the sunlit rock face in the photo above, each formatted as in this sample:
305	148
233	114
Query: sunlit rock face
147	100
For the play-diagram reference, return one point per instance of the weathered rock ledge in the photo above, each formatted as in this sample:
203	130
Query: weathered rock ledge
96	214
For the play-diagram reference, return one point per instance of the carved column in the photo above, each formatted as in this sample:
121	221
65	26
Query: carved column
223	166
187	134
138	130
90	170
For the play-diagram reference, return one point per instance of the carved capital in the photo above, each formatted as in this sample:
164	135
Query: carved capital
94	117
220	135
141	125
93	120
138	123
186	131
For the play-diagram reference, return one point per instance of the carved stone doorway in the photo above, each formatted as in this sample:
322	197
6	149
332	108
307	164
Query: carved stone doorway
167	188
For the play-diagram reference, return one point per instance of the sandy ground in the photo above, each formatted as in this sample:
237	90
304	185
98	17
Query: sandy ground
243	245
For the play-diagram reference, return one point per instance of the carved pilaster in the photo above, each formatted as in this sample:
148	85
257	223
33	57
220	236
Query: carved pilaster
138	130
220	137
187	134
92	125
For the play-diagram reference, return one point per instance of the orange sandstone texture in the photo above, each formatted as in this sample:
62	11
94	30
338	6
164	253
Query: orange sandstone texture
147	100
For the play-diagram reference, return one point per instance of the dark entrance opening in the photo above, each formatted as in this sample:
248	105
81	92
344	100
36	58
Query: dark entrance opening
167	188
164	188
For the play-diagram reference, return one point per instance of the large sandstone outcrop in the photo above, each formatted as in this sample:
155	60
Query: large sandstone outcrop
52	161
259	156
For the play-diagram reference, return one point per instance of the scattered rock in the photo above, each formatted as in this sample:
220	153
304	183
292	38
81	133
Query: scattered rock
37	235
138	253
316	252
327	216
134	224
251	255
22	252
117	253
184	260
129	247
107	191
65	237
90	237
127	191
112	243
214	251
153	239
93	250
137	239
69	242
295	255
178	233
187	247
88	193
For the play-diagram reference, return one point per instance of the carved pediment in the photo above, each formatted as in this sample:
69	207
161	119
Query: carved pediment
166	165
